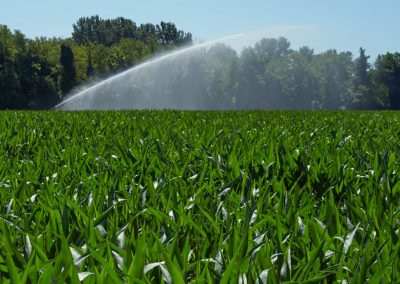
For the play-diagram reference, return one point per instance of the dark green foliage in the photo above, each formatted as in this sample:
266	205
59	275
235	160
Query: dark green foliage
112	31
388	70
168	34
26	80
67	77
363	93
35	74
336	71
106	32
9	84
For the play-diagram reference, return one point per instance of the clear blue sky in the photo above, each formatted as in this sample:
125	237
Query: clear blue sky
320	24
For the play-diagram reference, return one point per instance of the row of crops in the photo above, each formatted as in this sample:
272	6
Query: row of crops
200	197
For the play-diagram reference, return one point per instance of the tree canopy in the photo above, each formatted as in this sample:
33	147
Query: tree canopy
111	31
38	73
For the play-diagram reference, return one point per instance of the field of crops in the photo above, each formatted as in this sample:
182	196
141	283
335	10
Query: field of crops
201	197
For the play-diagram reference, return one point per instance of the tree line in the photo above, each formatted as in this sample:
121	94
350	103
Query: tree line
269	75
36	74
275	76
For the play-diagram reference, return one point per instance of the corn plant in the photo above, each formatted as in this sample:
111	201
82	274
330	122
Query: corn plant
199	197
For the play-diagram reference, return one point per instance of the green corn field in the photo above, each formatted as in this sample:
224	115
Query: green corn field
199	197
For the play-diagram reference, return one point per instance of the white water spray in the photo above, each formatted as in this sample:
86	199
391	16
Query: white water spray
113	97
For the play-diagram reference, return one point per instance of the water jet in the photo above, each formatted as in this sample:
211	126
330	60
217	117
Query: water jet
146	86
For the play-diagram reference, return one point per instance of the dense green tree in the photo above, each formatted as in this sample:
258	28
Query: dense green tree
361	69
100	57
388	72
81	61
9	83
293	81
363	92
257	88
252	80
90	68
106	32
35	74
221	76
67	77
306	52
336	72
28	74
111	31
147	32
46	60
118	29
88	29
271	48
127	53
168	34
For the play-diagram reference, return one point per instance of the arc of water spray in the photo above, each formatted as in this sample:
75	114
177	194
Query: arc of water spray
147	63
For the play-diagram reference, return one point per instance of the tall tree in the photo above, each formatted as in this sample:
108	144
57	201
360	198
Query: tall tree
270	48
363	97
9	82
168	34
388	70
147	33
88	29
306	52
67	77
117	29
252	81
335	71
